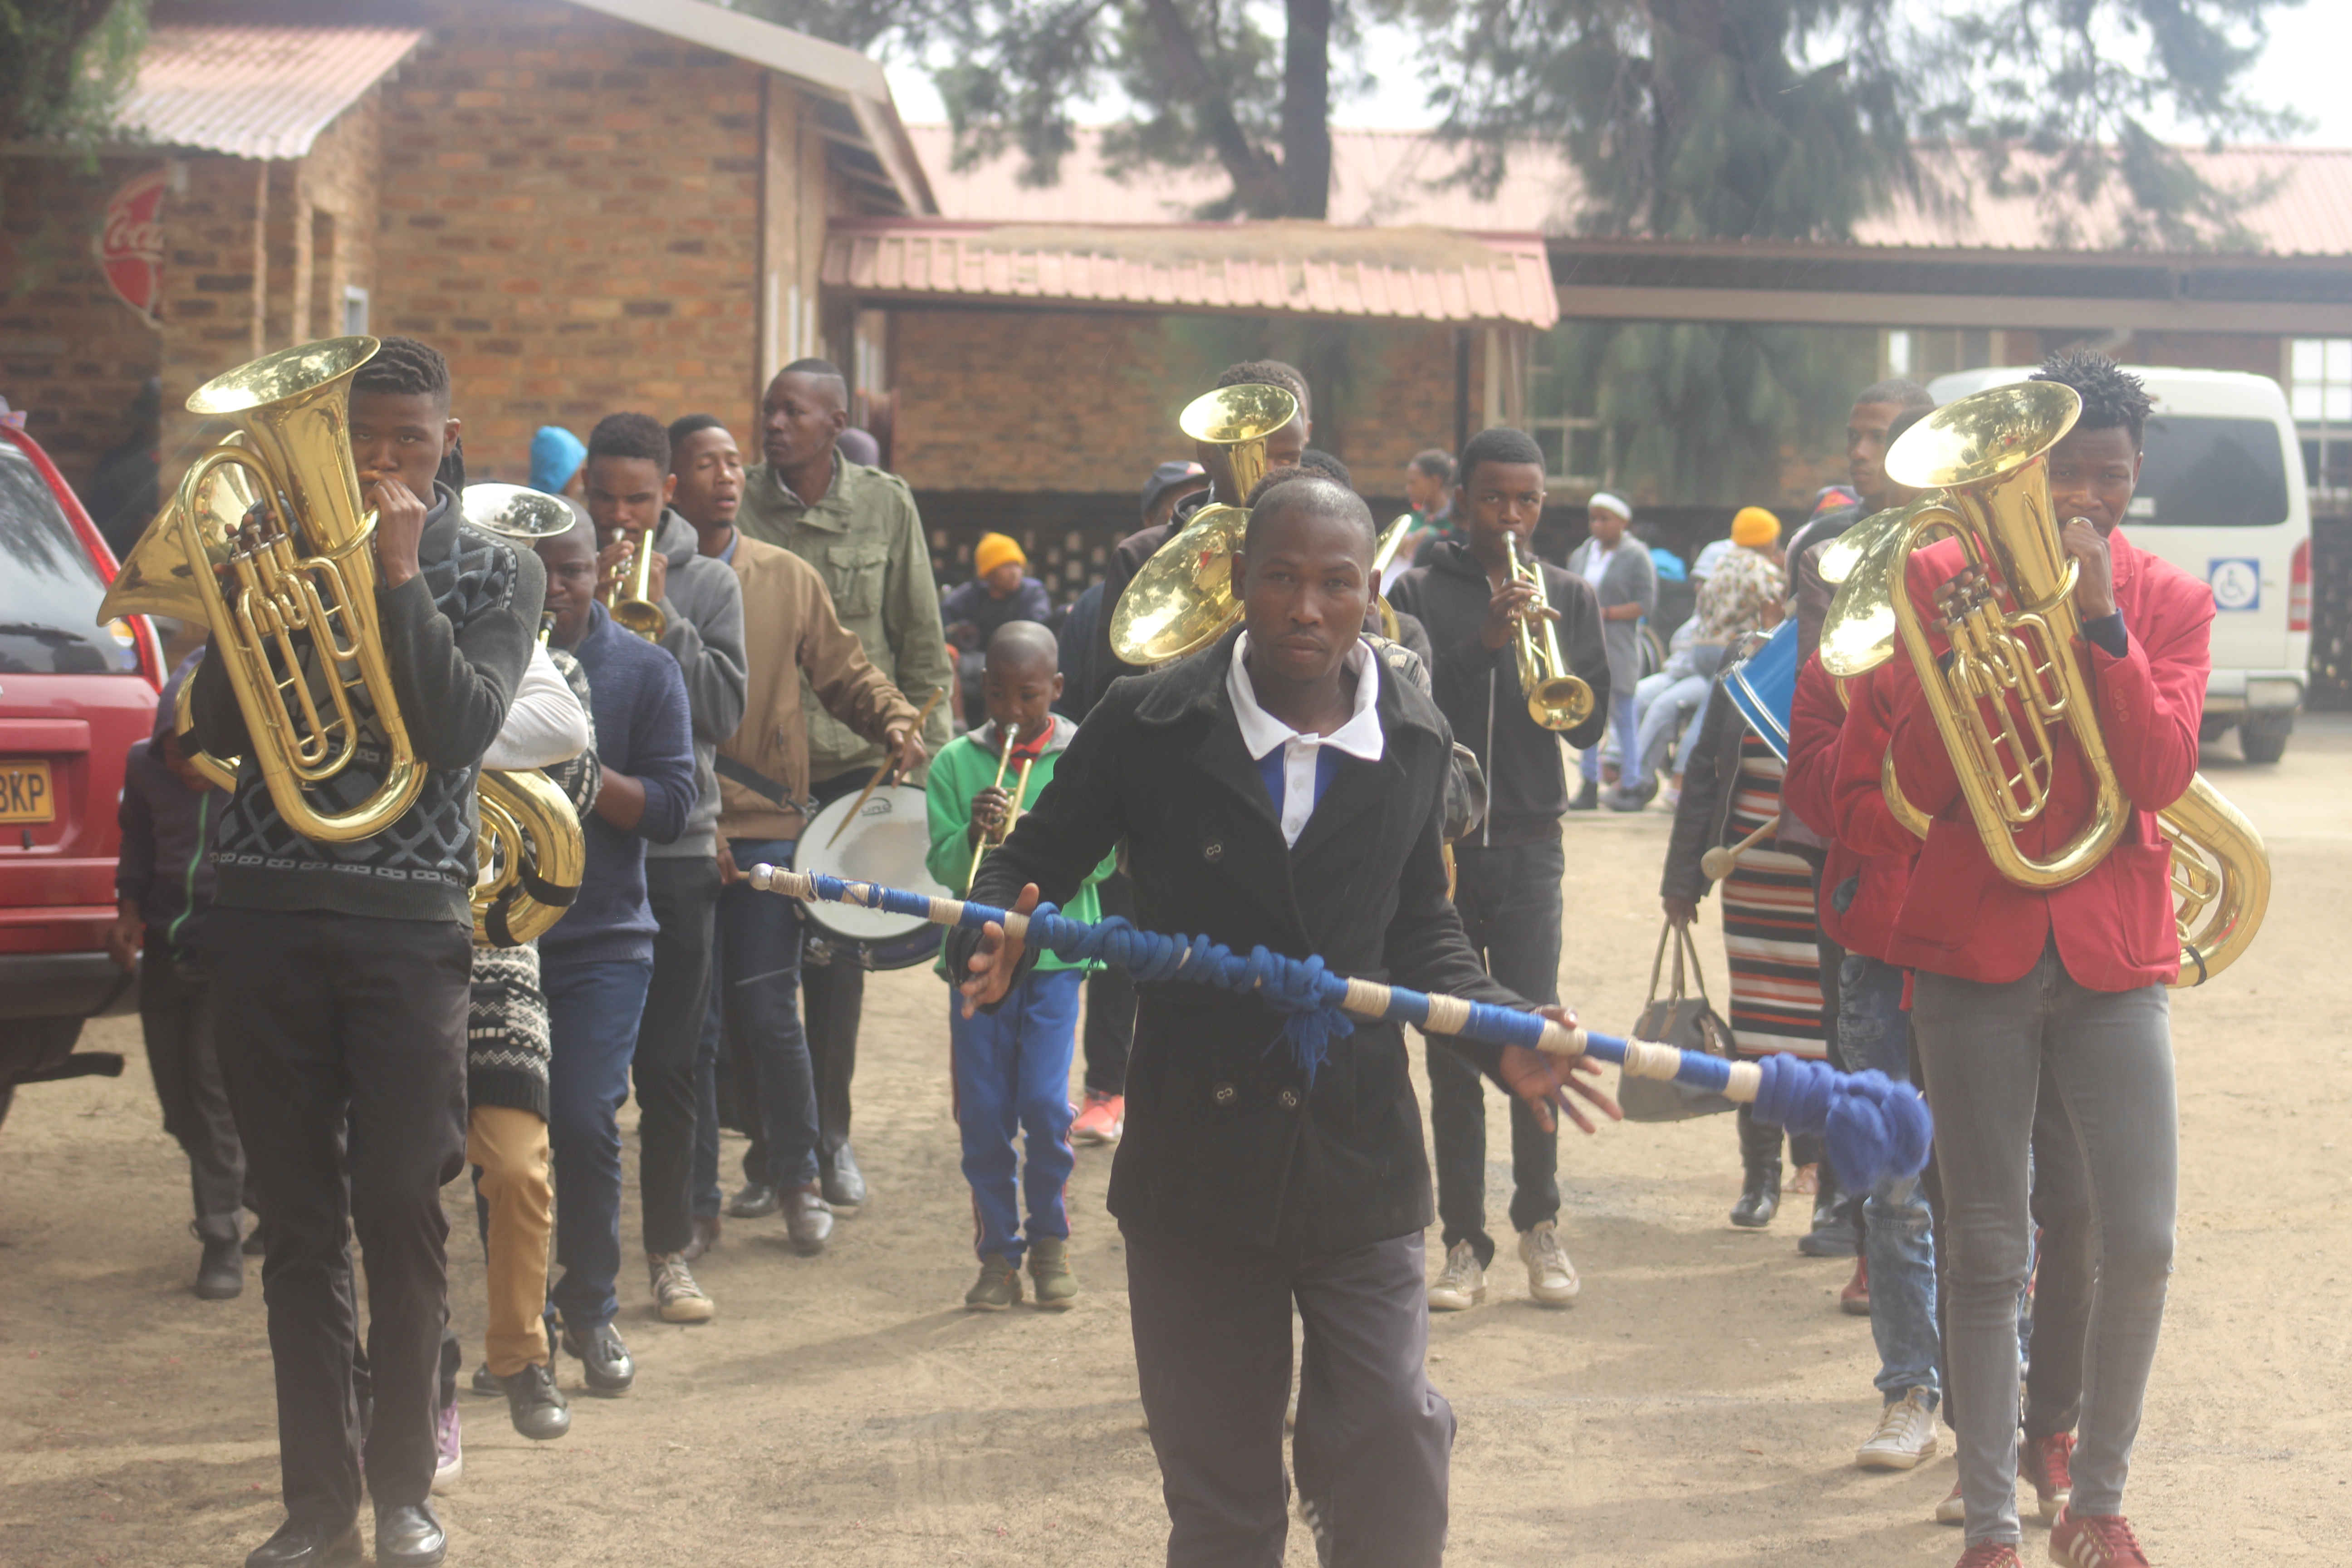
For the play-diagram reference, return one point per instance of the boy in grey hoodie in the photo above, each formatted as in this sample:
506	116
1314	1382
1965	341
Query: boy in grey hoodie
629	487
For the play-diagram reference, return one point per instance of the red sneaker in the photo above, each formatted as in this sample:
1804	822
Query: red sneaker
2094	1540
1854	1300
1990	1554
1102	1119
2047	1463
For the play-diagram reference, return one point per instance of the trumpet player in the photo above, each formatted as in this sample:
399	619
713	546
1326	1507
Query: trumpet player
1473	605
1011	1065
699	603
340	977
2018	991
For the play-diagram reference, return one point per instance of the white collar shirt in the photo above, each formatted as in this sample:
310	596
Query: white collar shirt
1262	732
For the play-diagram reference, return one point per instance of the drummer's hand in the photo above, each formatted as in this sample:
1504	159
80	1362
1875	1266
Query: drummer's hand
1682	911
992	968
908	752
988	810
1544	1081
727	872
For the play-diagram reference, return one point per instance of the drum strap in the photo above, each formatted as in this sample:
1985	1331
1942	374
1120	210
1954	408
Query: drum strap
757	782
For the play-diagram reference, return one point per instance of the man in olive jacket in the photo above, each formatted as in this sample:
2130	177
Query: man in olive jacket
858	526
1274	789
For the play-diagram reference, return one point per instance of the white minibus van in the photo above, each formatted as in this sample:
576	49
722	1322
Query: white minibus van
2221	496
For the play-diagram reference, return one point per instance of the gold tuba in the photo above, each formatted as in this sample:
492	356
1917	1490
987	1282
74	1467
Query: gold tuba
1556	698
1182	599
529	846
293	571
1985	450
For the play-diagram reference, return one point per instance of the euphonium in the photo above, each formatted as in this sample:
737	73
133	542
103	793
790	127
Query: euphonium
1557	700
264	543
1183	598
628	601
1985	450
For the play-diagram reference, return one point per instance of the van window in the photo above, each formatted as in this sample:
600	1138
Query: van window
49	587
2211	473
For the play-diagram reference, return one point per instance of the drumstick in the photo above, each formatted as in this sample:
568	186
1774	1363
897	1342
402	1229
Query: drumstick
883	771
1717	863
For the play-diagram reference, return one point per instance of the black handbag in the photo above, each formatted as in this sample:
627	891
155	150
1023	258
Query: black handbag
1685	1023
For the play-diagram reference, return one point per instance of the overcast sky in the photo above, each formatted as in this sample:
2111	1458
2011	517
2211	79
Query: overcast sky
2304	66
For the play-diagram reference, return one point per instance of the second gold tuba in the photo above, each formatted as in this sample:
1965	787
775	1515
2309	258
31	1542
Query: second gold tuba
266	545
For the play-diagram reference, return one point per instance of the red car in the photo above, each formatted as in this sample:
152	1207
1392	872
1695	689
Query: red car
73	696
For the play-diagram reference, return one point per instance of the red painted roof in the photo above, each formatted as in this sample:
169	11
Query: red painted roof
255	92
1308	268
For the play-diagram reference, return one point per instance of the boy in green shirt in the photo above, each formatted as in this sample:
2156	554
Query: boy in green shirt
1011	1064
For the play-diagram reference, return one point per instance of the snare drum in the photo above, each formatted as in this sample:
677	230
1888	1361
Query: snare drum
887	842
1763	687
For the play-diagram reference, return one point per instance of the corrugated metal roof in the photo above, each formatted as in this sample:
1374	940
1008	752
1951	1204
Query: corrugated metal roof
1307	269
1398	177
255	92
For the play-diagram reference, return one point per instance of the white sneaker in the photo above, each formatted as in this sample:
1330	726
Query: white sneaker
1461	1284
1904	1436
1551	1278
681	1300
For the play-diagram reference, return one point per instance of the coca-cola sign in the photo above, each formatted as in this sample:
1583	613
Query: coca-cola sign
131	247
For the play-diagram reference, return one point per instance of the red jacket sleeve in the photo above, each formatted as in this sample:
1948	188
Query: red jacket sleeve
1863	822
1814	721
2152	700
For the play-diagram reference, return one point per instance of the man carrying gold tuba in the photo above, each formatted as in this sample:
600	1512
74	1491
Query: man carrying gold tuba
340	969
2028	983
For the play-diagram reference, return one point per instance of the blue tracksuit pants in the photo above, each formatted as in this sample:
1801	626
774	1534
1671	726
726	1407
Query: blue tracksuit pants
1012	1074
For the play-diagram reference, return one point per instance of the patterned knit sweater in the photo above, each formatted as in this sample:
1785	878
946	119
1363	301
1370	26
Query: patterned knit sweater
457	636
506	1049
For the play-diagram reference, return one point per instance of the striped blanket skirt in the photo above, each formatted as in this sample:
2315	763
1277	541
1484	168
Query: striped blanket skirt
1769	928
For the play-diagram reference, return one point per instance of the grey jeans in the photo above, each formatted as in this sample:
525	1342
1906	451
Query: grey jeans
1989	1051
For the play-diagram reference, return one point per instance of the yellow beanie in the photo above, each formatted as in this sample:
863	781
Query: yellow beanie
1753	526
995	549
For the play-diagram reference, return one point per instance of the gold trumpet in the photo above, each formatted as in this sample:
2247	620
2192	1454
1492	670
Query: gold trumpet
629	601
1182	599
1984	453
528	847
264	543
1557	700
989	841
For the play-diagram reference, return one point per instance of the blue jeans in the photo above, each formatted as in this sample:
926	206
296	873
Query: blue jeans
1011	1073
759	952
1873	1031
703	1184
1621	725
591	1015
1660	699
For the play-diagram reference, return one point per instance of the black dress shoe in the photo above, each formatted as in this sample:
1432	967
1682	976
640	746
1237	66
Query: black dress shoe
301	1544
408	1536
806	1219
756	1201
843	1183
486	1381
538	1408
220	1275
1837	1223
1588	798
603	1359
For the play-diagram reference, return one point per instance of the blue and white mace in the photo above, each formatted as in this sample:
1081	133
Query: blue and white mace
1873	1126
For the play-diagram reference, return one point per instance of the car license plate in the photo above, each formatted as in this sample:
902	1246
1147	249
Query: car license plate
25	793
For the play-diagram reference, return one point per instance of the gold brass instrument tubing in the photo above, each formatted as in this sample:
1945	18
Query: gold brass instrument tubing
1556	699
989	841
627	601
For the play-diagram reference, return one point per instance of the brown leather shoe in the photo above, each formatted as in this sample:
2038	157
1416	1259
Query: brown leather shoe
706	1229
807	1220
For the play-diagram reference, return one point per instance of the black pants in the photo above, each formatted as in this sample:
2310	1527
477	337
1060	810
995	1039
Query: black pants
1111	1001
833	1000
175	1012
684	892
1510	901
1374	1441
344	1043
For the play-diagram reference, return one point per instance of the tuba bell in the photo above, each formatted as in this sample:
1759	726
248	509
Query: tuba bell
2013	677
1182	599
264	543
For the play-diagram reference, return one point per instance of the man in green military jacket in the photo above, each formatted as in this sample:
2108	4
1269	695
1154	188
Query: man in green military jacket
858	526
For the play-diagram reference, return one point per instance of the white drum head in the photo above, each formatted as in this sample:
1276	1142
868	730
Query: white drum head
885	842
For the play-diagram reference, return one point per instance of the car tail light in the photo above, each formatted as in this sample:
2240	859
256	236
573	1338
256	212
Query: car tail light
2298	589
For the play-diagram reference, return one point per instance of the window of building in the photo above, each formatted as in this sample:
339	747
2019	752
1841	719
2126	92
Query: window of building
1564	417
355	311
2319	390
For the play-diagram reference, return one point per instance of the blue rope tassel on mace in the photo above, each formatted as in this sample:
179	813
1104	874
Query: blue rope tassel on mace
1873	1126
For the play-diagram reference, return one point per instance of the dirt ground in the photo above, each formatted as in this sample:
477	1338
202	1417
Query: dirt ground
1697	1406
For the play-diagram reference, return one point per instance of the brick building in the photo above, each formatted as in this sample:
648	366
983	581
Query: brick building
588	205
